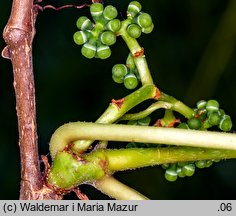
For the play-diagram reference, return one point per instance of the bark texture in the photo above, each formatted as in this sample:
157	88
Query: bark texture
18	34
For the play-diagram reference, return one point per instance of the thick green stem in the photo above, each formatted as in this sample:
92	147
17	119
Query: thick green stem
70	132
117	109
69	171
135	48
117	190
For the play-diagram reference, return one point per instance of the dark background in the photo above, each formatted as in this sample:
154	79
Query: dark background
70	87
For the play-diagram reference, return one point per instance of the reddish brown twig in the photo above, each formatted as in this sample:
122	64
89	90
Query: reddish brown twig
18	34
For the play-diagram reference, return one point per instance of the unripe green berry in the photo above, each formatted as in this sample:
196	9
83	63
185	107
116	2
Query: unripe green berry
201	104
96	10
103	51
88	50
144	121
130	81
200	164
130	62
180	172
171	174
110	12
84	23
208	163
148	29
119	70
183	126
118	80
108	38
134	30
144	20
188	169
80	37
114	25
214	118
212	105
225	123
134	8
194	123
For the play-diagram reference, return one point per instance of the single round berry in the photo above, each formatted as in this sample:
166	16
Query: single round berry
225	123
108	38
110	12
103	52
201	104
84	23
114	25
144	121
134	30
118	80
134	8
130	62
80	37
171	174
119	70
96	10
194	123
200	164
180	172
88	50
208	163
183	126
144	20
188	169
130	81
212	105
214	118
148	30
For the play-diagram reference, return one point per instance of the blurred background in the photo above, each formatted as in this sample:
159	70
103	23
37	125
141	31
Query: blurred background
191	54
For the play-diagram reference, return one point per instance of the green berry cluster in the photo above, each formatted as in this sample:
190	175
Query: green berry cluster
140	21
184	169
209	114
97	36
126	73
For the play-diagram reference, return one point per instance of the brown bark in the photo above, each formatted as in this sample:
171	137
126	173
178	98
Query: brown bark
18	35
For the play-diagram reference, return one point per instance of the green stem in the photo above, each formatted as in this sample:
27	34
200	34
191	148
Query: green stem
148	111
68	171
134	48
178	106
117	110
117	190
70	132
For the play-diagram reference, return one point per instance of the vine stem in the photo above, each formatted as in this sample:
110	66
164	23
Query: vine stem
70	132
